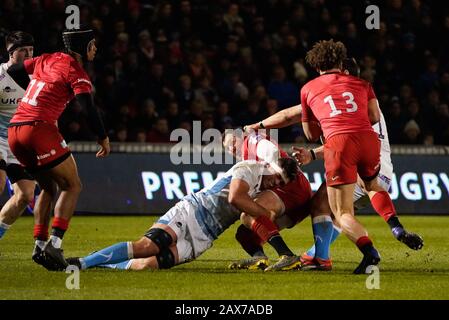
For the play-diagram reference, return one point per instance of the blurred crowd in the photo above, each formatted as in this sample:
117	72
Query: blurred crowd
163	64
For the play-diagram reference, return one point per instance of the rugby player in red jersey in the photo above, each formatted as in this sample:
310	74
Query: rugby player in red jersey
317	257
35	140
343	109
288	204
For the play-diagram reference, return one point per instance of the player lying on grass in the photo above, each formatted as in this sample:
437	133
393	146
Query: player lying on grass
190	227
289	204
315	257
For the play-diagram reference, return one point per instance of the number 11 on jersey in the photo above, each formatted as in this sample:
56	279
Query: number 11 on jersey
32	88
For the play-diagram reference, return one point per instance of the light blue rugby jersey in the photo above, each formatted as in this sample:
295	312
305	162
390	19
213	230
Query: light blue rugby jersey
213	211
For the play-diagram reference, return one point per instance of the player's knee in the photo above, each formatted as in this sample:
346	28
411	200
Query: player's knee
25	197
165	259
76	185
246	220
161	238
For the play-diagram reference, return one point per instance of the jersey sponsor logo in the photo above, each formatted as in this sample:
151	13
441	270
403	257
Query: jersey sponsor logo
83	80
46	155
10	101
335	178
9	89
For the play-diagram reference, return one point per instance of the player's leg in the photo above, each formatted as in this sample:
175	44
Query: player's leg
382	204
139	264
248	239
42	211
66	177
43	208
341	203
157	240
4	225
267	231
14	207
324	230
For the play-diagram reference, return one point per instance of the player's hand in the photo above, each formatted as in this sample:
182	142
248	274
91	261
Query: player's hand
249	128
105	148
302	155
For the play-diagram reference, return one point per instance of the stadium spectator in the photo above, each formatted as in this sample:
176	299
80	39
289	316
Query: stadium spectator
165	51
160	132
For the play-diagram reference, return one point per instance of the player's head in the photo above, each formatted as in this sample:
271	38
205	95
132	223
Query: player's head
326	55
279	173
232	142
80	41
351	67
20	46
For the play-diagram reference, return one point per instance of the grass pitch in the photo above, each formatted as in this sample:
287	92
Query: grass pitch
404	273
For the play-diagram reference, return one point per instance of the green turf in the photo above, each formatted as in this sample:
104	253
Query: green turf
404	273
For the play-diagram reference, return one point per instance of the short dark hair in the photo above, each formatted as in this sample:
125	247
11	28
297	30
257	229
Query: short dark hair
18	39
289	166
351	65
326	55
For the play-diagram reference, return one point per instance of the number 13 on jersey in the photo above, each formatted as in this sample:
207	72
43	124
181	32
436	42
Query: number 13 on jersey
349	101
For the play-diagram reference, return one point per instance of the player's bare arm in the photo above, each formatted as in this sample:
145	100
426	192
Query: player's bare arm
373	111
312	130
239	197
281	119
305	156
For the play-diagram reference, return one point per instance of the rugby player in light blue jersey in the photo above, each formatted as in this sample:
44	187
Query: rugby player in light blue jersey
191	226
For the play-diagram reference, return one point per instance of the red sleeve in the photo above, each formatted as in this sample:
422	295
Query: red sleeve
306	113
78	79
29	64
371	94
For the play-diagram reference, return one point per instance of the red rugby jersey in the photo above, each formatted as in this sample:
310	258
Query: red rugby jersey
339	102
57	78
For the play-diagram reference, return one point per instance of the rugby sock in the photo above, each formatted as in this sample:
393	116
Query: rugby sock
322	231
264	228
59	227
3	228
125	265
114	254
365	245
249	241
335	233
383	205
396	227
280	246
268	231
40	232
40	244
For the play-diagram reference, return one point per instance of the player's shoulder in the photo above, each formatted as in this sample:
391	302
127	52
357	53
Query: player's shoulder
357	80
309	84
59	57
248	165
